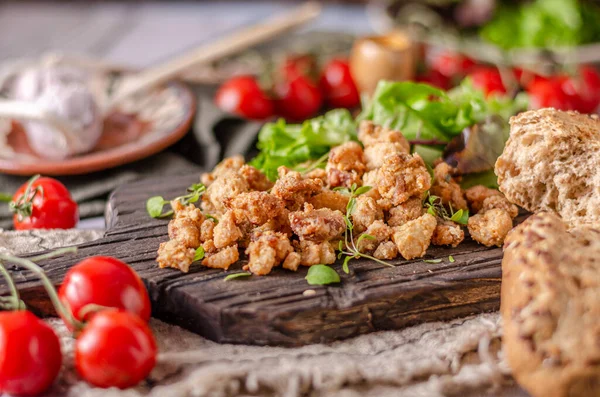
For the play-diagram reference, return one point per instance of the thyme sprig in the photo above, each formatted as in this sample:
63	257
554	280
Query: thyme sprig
436	208
155	205
348	247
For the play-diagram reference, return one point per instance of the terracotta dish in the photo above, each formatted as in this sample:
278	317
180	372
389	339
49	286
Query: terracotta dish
139	128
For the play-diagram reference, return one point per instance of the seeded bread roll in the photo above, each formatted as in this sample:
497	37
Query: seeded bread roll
550	307
551	162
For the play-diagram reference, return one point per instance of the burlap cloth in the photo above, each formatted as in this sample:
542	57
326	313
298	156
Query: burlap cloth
459	357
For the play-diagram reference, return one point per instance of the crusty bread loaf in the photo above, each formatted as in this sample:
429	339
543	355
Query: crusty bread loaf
550	307
551	162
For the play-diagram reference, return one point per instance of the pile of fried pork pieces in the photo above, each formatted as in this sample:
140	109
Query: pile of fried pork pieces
300	219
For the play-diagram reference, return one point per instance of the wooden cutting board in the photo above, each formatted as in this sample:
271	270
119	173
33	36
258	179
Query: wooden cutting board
280	309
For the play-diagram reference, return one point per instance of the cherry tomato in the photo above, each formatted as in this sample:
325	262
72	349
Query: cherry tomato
550	93
305	65
452	65
243	96
435	79
52	206
299	97
526	77
488	79
30	356
104	281
337	85
584	89
115	349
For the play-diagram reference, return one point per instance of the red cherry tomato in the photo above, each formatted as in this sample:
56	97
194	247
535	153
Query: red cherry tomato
51	208
104	281
115	349
526	77
243	96
550	93
435	79
337	85
305	65
488	79
30	356
452	65
584	89
299	97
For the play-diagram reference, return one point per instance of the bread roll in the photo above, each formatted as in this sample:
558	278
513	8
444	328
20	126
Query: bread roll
550	306
551	162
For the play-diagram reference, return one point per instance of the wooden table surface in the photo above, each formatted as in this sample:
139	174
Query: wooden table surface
139	34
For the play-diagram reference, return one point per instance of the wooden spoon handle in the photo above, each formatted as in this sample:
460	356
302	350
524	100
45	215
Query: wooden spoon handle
218	49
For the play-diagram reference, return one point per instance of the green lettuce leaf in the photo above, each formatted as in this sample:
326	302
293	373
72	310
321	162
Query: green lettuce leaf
426	113
293	144
544	23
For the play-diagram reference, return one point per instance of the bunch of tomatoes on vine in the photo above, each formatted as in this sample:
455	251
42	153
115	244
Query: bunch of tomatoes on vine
101	300
578	90
296	90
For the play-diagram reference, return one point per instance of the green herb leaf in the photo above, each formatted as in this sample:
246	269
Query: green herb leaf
237	275
345	267
461	217
212	218
349	224
451	259
362	190
322	275
351	206
364	236
155	205
342	189
431	210
341	246
199	253
197	188
432	260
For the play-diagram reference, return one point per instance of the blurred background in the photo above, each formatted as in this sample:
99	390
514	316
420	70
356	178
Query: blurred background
534	53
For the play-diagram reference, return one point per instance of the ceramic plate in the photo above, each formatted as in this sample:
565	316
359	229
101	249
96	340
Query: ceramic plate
140	127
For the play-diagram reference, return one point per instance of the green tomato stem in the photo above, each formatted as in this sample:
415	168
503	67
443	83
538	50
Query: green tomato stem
14	299
60	308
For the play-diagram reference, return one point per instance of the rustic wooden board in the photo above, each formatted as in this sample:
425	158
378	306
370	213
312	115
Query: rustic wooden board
272	310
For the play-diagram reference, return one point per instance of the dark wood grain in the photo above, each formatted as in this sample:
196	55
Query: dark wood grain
272	310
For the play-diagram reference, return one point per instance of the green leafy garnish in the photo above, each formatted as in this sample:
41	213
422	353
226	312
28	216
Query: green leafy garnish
199	253
5	197
294	144
436	208
212	218
322	275
237	275
348	247
432	260
487	179
451	259
544	24
423	112
156	204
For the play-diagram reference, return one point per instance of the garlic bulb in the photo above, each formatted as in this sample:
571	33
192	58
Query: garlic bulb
63	92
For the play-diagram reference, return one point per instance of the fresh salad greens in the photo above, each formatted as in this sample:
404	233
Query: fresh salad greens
544	23
293	144
425	113
427	116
